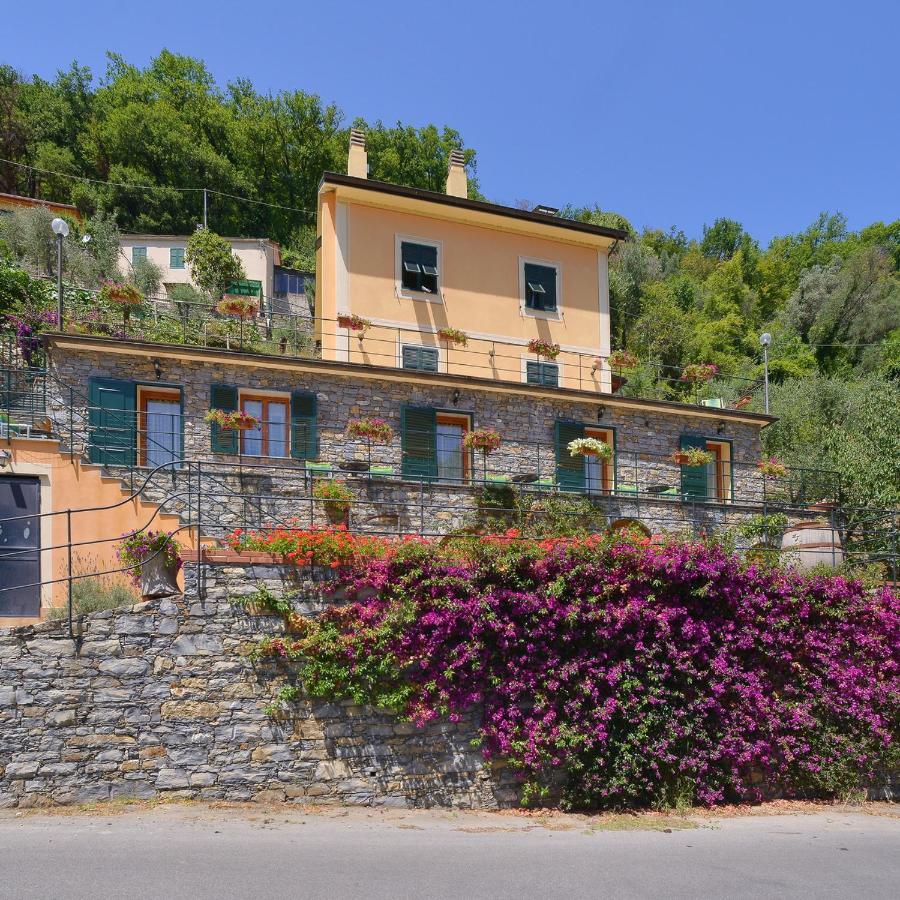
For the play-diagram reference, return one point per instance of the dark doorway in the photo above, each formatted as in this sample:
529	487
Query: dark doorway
20	546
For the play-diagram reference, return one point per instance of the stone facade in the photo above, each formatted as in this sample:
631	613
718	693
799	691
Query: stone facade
645	439
160	700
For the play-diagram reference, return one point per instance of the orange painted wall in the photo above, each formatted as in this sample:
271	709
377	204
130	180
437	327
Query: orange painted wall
75	485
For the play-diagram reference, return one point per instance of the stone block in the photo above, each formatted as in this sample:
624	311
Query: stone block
124	668
172	779
189	709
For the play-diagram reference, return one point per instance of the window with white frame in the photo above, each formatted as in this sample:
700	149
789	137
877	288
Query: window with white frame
540	287
418	264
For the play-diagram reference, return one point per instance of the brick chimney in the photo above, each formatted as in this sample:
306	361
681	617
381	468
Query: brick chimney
358	159
457	183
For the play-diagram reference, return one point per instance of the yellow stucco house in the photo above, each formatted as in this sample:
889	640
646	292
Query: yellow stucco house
401	271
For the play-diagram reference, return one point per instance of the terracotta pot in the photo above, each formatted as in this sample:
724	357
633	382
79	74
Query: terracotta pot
158	578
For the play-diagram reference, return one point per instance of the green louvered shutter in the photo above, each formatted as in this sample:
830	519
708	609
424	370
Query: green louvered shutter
224	397
569	469
111	418
304	425
418	441
693	478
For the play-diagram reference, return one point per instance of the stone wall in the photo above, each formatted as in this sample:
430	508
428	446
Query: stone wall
159	700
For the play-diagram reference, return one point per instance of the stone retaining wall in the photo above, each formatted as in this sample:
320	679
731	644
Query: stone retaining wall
160	701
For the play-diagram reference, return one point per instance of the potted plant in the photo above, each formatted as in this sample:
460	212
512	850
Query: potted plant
336	497
590	447
235	420
372	431
772	467
354	323
453	336
543	348
693	456
238	305
697	372
153	561
622	359
484	439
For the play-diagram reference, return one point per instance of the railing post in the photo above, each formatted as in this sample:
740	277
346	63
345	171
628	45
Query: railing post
69	564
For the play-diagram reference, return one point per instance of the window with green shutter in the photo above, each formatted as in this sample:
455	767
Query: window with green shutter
419	267
138	254
418	442
540	287
425	359
542	373
304	425
693	478
223	440
176	258
569	469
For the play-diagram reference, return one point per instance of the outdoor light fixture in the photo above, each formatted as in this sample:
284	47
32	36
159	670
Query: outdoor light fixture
60	229
157	367
765	339
720	428
601	412
5	459
456	396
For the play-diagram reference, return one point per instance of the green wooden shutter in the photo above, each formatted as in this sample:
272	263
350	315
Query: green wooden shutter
569	469
418	442
424	359
224	397
111	418
693	478
304	425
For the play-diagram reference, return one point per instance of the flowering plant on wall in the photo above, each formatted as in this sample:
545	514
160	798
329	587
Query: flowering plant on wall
376	431
772	467
336	496
543	348
238	305
354	322
590	447
622	359
232	421
693	456
28	324
624	670
453	336
695	372
120	293
139	547
484	439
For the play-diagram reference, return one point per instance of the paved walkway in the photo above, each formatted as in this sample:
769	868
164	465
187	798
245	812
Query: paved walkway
200	853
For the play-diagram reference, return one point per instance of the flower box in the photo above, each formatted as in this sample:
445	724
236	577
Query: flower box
695	372
622	359
232	421
375	431
692	457
238	305
121	294
483	439
590	447
771	467
453	336
153	561
354	323
543	348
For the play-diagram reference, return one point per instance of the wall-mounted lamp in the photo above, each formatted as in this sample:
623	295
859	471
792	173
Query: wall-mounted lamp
455	396
720	428
5	459
157	368
601	412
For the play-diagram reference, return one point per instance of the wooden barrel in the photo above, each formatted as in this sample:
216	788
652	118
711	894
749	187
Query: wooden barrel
813	544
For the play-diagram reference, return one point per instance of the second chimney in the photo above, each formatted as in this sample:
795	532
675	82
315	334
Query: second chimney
358	159
457	182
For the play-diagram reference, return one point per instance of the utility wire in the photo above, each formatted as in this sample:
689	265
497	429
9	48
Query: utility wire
157	187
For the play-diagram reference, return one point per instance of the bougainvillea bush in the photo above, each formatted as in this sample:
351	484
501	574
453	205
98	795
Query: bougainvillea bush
631	671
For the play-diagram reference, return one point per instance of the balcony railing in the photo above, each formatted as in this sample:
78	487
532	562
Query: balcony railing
161	320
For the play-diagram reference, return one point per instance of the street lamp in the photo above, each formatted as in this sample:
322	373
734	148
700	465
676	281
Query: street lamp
60	229
765	339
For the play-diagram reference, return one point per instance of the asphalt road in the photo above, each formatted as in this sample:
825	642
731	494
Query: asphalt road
174	853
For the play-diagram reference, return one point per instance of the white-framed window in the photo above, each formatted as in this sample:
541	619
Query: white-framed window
418	268
540	288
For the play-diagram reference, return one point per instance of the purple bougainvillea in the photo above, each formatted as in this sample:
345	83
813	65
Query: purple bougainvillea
631	672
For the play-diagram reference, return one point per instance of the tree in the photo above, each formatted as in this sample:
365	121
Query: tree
212	263
593	215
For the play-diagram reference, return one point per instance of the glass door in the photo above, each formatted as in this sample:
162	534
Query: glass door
161	432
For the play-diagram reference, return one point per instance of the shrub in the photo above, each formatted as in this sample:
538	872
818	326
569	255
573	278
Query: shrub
335	494
93	595
138	546
638	671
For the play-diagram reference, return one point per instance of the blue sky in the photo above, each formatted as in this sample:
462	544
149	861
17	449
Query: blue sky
670	113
